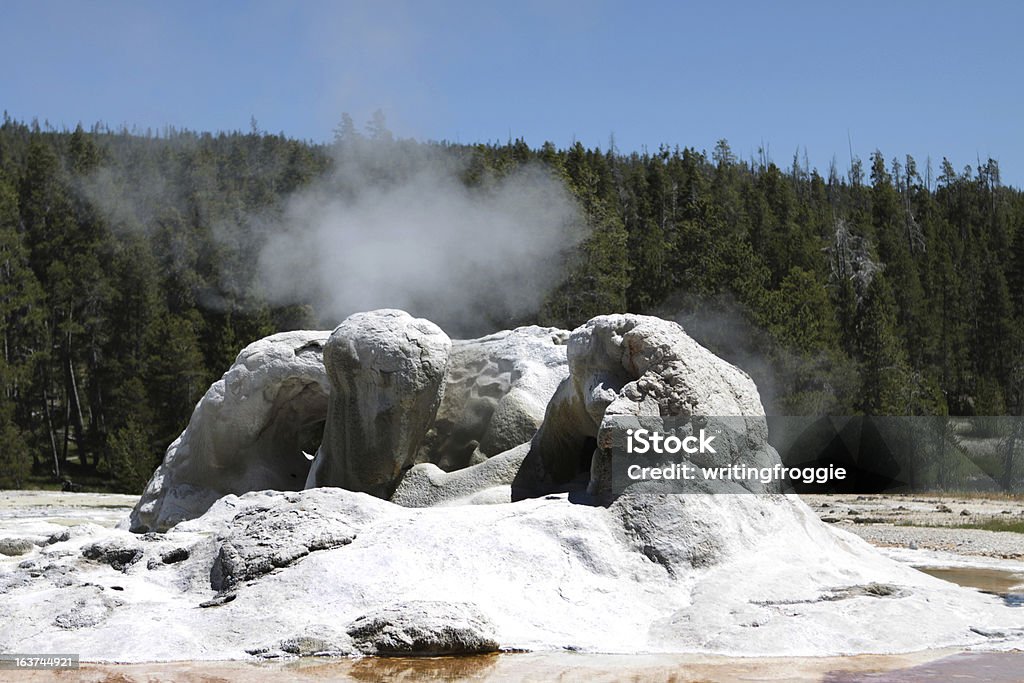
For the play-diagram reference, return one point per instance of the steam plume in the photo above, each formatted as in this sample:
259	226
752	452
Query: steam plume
394	225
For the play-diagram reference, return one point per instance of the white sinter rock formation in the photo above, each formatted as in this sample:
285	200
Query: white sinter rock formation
332	571
337	572
637	366
258	426
249	432
495	394
387	372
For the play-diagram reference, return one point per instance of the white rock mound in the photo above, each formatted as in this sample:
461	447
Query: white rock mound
332	571
251	430
387	373
569	565
248	432
633	365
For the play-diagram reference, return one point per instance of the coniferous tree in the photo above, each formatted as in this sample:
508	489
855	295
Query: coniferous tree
20	332
126	262
881	351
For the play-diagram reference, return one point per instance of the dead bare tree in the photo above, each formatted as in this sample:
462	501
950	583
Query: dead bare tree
851	258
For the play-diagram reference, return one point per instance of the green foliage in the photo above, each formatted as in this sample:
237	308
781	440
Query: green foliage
996	524
15	462
175	376
1015	274
130	460
20	335
885	370
803	318
988	403
929	451
874	290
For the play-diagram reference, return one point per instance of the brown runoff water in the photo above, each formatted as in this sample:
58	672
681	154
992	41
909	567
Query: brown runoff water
570	667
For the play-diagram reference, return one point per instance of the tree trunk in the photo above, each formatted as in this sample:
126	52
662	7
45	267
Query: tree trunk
1009	456
67	430
53	436
75	406
97	420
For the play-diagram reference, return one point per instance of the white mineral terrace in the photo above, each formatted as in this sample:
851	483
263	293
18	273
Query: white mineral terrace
459	503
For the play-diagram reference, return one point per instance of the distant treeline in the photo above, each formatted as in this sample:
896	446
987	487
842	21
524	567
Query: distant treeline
898	289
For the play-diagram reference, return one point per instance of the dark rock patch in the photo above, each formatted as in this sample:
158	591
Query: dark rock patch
13	547
424	628
222	598
176	555
263	540
117	554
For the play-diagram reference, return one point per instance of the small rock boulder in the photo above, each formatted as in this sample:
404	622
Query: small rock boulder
12	547
91	607
317	640
264	538
424	628
118	554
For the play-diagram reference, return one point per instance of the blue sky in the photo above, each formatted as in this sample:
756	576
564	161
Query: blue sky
925	78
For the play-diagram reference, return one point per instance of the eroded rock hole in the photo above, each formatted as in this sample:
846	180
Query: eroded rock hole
309	437
586	455
296	428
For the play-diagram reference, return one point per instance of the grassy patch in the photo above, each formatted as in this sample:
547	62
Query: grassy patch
1016	526
1012	525
968	495
85	477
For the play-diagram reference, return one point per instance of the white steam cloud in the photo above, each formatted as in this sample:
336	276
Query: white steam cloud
394	225
418	226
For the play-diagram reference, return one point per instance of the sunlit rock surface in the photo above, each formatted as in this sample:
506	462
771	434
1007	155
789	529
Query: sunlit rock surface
486	482
327	570
634	365
258	427
333	571
387	372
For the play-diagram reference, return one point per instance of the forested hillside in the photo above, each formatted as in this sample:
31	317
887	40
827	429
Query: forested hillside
891	287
